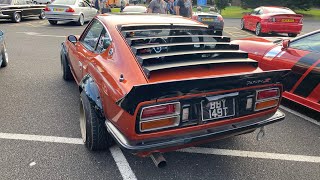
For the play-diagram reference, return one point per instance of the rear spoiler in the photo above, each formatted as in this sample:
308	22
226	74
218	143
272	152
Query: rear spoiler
291	15
153	91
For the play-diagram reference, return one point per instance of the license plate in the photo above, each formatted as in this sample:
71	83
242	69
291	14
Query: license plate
58	9
287	20
218	108
207	19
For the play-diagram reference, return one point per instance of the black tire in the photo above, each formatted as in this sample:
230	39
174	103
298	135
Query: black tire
16	17
42	15
80	21
53	22
242	26
5	58
93	131
292	35
258	30
66	71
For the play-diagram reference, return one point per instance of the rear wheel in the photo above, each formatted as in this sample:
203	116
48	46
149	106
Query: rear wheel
42	15
81	20
292	35
93	131
16	17
242	26
258	30
53	22
5	58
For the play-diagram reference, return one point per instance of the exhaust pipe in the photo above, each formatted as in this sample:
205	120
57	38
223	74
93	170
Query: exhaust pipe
158	160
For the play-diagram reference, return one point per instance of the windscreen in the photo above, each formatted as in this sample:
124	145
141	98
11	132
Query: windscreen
5	2
64	2
280	11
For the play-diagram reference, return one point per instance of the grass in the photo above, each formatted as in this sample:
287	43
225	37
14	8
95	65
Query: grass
237	12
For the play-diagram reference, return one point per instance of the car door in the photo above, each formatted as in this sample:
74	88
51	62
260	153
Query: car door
255	18
303	58
88	46
23	7
82	8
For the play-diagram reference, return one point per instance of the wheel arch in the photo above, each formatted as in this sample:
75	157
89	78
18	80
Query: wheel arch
91	89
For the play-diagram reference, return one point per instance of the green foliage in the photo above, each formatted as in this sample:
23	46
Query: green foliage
293	4
221	4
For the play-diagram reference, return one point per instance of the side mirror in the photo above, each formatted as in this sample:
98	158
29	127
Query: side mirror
285	44
1	33
72	39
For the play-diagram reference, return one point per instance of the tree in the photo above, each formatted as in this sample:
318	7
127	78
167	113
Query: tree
221	4
292	4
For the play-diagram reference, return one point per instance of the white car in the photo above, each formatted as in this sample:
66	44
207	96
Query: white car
42	1
69	10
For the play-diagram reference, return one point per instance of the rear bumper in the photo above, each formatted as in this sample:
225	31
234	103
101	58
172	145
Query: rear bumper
281	27
220	132
64	17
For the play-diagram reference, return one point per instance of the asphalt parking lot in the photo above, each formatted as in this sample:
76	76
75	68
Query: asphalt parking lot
40	134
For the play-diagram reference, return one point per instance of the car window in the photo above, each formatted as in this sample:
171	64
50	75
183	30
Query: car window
5	1
104	42
309	43
81	4
21	2
91	38
256	11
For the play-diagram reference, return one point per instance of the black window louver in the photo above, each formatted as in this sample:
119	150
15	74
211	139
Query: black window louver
159	47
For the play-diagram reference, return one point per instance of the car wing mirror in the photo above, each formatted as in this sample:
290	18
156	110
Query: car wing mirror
1	33
72	39
285	44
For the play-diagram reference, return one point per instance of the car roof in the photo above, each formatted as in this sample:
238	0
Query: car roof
143	18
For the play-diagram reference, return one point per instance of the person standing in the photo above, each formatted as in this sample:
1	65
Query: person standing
170	7
157	6
184	8
97	5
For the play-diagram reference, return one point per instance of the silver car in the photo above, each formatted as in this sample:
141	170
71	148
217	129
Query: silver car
69	10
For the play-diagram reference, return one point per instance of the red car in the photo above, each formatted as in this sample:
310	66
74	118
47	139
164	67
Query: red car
266	19
156	83
301	55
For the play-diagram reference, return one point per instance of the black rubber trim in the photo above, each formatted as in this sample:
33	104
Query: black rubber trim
310	82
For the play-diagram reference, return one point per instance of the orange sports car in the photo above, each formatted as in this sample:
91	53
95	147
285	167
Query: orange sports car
156	83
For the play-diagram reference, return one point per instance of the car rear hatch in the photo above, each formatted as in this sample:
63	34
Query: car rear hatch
59	9
286	18
182	52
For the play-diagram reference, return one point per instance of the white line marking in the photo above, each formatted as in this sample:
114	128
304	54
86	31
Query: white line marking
40	35
117	154
52	139
122	163
300	115
251	154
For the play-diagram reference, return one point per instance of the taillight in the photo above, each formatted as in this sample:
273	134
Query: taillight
70	10
272	19
301	21
159	116
47	9
269	93
267	98
158	110
220	18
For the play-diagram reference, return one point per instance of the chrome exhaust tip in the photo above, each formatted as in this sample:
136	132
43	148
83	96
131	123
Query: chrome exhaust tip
158	160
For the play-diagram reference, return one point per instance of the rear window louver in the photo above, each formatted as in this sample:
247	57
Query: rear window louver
162	47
